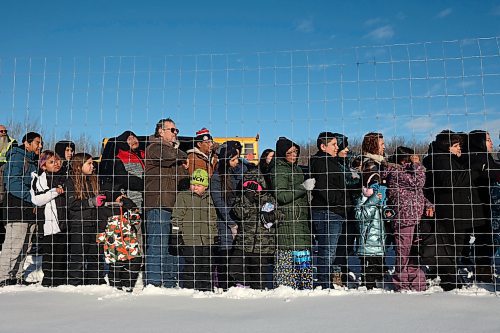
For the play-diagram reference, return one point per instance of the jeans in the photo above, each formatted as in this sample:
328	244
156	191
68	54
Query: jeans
327	229
161	267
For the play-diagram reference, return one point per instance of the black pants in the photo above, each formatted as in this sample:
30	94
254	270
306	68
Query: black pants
86	264
124	274
251	269
346	245
54	249
197	268
221	260
373	270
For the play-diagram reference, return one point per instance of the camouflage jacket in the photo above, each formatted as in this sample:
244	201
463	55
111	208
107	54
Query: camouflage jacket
120	237
253	237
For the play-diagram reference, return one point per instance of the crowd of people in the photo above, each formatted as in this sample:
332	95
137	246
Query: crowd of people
207	218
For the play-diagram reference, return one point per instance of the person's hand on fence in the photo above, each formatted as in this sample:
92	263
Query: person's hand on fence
309	184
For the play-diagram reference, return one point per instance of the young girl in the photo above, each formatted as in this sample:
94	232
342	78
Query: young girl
46	190
84	201
371	213
406	180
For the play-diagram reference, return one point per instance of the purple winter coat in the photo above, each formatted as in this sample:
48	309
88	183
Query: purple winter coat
405	195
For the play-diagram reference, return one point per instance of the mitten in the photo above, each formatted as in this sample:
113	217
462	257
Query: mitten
97	201
309	184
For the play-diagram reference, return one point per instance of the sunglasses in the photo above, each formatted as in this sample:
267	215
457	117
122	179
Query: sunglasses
172	130
3	131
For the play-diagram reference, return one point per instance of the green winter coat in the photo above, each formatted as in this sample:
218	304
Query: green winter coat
294	232
196	218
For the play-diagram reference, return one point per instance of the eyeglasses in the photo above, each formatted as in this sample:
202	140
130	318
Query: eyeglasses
3	131
172	130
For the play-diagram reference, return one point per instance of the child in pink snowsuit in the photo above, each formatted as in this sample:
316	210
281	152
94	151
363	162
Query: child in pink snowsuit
405	181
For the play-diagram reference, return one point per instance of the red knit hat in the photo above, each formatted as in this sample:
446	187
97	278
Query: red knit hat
203	135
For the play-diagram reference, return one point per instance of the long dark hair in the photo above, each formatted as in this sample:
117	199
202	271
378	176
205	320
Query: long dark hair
86	186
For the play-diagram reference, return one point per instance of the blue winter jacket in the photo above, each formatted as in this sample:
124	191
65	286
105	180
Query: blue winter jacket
17	173
369	215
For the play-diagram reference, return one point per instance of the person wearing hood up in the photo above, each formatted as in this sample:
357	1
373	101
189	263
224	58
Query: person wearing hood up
485	174
65	150
122	166
293	256
448	187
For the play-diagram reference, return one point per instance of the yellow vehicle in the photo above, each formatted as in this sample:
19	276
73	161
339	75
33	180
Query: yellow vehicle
250	146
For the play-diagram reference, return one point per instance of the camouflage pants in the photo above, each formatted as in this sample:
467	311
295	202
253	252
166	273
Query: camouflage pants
288	273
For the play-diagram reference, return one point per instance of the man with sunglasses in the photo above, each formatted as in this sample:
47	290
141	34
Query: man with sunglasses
6	143
165	174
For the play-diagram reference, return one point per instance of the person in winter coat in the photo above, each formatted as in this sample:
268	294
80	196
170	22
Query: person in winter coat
20	216
405	182
370	209
6	143
65	150
165	174
87	216
328	207
121	245
194	218
371	213
200	157
224	186
448	187
46	191
484	173
253	257
122	166
293	263
352	180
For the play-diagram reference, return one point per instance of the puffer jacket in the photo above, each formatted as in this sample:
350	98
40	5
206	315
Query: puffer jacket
294	232
196	219
253	236
406	192
369	214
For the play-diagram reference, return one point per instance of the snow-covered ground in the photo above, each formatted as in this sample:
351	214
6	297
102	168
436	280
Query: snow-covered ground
103	309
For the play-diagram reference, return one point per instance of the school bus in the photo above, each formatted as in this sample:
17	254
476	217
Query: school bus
250	146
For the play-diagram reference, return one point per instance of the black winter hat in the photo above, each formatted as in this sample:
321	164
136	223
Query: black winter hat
477	142
341	141
282	146
229	149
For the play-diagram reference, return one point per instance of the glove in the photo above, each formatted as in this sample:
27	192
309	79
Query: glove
267	219
234	230
128	204
97	201
309	184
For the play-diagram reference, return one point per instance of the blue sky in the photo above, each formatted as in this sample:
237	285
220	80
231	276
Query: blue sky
242	67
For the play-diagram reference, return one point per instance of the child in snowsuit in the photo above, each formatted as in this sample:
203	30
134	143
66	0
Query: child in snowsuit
122	250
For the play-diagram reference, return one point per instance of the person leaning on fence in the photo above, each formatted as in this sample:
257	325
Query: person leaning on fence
328	207
200	157
194	223
405	181
484	172
6	143
258	217
20	212
165	174
46	191
65	150
293	264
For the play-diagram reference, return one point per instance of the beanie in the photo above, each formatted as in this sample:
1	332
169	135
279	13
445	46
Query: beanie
283	145
199	177
203	135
